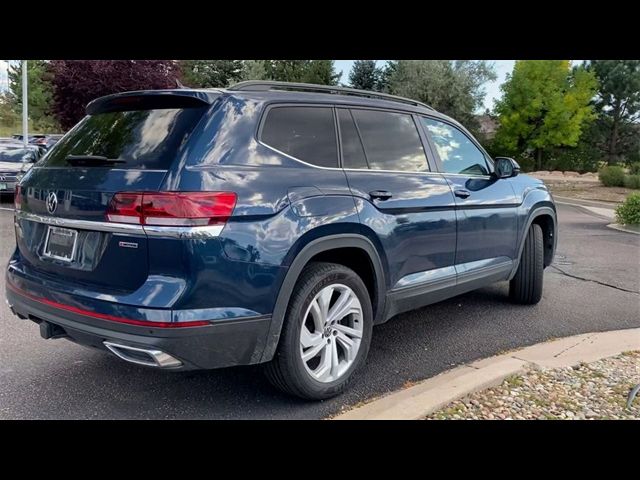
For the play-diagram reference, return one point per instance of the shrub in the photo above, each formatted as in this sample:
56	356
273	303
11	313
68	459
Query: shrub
634	168
632	181
581	158
612	176
629	212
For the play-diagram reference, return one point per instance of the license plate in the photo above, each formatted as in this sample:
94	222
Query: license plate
3	186
60	243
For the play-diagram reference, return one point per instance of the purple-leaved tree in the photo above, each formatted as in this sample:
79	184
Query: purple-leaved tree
76	82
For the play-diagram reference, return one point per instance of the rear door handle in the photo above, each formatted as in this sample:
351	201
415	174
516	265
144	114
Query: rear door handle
380	194
462	193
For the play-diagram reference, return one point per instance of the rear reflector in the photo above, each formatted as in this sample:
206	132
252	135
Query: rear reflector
17	197
172	208
104	316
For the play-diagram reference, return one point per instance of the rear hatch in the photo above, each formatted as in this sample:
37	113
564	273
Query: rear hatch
126	143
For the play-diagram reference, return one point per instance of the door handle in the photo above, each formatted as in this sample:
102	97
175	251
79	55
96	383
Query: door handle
462	193
380	194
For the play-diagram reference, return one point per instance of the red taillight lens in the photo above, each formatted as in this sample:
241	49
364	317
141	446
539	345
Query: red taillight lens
17	197
172	208
189	209
125	208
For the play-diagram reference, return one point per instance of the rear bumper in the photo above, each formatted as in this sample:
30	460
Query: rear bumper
221	343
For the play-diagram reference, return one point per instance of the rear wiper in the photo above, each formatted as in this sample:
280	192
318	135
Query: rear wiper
92	160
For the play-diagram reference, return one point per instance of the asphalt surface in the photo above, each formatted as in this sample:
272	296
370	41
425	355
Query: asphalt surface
593	286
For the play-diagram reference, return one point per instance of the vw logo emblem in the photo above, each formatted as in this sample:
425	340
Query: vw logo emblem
52	202
3	178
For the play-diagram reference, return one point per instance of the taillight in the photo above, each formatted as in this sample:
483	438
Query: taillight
17	197
172	208
125	208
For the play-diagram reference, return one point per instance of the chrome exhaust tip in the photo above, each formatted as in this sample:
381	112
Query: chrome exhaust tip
143	356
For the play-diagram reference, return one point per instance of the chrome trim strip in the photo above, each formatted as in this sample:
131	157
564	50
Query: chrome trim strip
426	172
453	274
199	232
82	224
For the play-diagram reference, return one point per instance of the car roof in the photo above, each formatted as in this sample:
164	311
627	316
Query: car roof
209	95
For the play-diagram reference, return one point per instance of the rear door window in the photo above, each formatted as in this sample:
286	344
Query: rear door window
137	139
391	141
305	133
352	152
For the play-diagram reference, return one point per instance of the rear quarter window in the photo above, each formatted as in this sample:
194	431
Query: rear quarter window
305	133
139	139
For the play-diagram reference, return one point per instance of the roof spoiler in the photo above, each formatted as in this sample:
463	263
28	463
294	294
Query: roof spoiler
152	99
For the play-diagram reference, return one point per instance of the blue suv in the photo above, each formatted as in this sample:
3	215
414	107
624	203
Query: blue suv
269	222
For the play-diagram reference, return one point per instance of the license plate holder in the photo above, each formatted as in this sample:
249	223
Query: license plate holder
60	243
3	186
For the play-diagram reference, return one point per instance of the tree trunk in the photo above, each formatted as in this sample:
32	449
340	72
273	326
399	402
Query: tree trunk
612	155
539	159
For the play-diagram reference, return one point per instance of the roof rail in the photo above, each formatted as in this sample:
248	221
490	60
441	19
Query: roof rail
266	85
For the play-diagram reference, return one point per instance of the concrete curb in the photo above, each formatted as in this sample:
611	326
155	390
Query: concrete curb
606	213
623	228
420	400
585	202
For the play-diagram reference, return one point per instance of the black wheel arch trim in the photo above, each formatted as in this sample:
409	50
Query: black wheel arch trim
313	248
535	213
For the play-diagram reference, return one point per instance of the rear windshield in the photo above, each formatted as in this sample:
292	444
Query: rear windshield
140	139
17	156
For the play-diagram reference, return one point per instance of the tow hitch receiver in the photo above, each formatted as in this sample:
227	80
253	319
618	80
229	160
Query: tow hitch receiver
50	330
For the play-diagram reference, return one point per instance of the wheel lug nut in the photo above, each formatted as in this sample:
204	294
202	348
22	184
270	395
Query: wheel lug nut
335	332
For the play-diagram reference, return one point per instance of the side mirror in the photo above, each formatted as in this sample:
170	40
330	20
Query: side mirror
506	167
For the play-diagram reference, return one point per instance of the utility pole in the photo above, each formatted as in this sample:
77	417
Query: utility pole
25	106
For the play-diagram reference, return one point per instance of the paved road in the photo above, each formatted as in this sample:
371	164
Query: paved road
593	287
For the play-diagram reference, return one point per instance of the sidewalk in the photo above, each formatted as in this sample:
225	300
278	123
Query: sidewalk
419	401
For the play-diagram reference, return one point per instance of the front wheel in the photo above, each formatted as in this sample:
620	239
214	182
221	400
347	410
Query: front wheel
326	333
526	285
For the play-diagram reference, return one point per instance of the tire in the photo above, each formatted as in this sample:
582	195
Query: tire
526	285
295	376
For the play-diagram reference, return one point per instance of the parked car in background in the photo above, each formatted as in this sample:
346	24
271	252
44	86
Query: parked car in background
268	223
15	161
52	139
44	140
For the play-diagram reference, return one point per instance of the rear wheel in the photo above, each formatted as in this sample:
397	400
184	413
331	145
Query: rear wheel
526	285
326	333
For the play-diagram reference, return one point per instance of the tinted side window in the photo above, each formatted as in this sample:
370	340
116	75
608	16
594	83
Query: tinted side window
457	152
391	141
306	133
352	151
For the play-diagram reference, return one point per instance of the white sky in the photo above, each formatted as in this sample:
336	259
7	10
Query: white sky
492	88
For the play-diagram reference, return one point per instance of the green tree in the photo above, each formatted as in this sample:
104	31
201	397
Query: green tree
307	71
451	87
39	92
545	104
286	70
211	73
385	76
321	72
254	70
364	75
616	131
9	119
